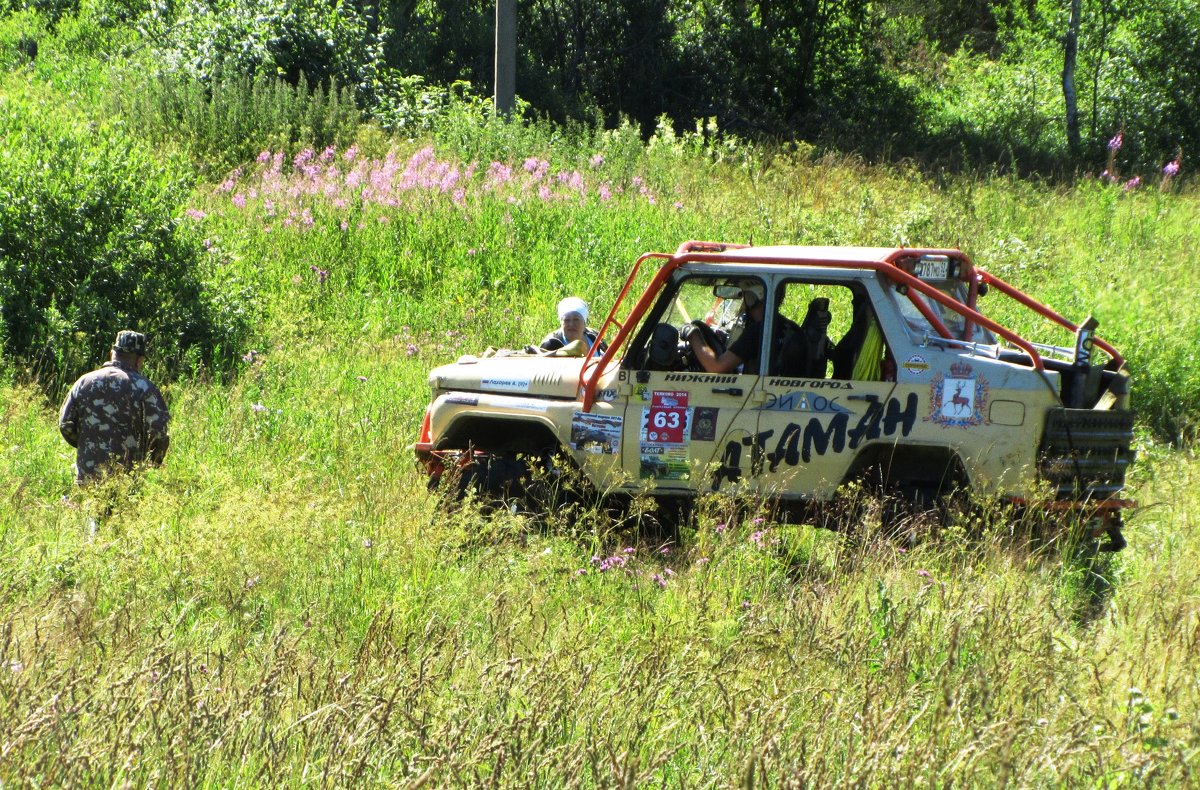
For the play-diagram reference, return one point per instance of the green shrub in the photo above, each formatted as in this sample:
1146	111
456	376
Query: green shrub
91	242
327	41
230	118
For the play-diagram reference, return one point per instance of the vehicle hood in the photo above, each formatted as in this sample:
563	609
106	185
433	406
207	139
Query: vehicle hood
549	377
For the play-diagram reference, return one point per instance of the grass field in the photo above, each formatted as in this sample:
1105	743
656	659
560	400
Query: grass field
283	603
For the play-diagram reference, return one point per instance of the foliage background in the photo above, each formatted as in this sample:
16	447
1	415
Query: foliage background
283	603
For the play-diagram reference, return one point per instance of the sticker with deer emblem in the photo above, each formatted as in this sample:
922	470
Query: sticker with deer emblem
958	400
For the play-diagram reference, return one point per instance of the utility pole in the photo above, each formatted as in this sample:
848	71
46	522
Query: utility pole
506	57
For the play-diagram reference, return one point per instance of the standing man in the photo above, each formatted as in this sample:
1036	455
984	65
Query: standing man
114	416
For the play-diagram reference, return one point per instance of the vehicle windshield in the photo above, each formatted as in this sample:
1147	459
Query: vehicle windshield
919	327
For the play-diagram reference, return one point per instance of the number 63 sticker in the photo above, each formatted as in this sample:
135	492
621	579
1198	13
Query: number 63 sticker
667	419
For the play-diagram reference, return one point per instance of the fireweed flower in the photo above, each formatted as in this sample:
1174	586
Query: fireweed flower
1115	144
1171	169
1133	183
596	161
498	174
536	167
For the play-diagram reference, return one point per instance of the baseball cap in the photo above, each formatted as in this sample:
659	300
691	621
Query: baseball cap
130	342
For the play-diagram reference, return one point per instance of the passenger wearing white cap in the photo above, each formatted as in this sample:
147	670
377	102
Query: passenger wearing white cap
572	320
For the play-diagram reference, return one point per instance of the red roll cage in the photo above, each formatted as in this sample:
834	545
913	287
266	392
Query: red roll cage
889	263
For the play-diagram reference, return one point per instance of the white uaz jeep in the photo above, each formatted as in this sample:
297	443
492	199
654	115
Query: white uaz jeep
870	363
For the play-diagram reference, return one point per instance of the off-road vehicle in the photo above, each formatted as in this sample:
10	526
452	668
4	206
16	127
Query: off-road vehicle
875	364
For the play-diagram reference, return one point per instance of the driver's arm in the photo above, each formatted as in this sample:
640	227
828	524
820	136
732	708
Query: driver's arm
708	359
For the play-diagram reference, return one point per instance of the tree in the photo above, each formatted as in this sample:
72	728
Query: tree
1070	48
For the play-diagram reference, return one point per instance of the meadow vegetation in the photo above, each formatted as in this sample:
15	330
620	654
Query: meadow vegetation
284	603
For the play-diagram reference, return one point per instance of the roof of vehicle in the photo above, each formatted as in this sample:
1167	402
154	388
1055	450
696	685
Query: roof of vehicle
816	254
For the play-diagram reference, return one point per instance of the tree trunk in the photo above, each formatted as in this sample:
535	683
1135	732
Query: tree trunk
1070	49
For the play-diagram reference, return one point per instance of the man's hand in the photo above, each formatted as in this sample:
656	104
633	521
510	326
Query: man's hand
687	330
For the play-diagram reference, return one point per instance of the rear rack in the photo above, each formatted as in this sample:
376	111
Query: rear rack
889	265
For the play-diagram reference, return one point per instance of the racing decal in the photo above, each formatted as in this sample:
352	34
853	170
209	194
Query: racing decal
802	401
507	385
607	396
703	378
916	365
663	462
666	430
668	417
811	384
518	403
820	435
958	400
462	400
642	392
704	424
596	433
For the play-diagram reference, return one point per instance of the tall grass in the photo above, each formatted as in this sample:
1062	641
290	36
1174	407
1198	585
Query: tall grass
283	603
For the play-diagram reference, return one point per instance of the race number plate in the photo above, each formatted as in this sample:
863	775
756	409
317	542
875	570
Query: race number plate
667	418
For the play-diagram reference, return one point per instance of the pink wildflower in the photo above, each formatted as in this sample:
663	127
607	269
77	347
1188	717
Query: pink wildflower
1117	141
536	167
1171	168
1133	183
596	160
499	173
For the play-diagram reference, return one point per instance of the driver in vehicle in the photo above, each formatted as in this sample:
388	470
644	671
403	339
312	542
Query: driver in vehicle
745	350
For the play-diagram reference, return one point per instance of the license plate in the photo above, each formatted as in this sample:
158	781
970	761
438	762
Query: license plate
933	268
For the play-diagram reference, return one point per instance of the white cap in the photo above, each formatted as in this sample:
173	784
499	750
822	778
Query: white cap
573	304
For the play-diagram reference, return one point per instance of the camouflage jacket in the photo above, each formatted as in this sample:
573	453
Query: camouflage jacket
114	416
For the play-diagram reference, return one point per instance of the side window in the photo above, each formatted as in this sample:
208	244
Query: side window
719	306
828	330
